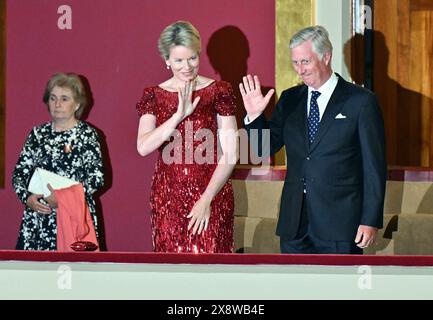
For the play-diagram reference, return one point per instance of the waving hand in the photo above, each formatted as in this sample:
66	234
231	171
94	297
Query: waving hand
254	101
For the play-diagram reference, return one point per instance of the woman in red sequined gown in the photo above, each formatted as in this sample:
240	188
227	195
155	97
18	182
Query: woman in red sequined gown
184	118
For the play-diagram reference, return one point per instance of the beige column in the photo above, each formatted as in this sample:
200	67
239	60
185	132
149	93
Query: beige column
290	16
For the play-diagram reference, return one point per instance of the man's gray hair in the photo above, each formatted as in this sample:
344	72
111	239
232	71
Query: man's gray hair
319	37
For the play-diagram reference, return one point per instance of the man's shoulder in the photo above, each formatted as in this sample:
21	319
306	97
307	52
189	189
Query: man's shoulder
354	88
296	90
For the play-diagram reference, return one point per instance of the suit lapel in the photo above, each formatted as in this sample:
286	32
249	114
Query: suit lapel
300	115
334	106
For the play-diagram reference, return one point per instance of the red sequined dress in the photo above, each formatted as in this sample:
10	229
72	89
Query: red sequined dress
184	167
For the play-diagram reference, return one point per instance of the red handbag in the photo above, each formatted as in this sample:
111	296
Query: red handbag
84	246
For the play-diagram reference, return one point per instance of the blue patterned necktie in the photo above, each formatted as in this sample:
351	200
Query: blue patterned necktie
314	116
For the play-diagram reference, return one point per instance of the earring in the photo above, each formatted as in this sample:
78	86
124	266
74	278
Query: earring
168	67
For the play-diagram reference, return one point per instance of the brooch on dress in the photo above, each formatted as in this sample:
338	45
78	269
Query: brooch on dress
67	148
69	143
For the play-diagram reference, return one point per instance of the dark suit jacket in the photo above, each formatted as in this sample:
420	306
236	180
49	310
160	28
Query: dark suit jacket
344	170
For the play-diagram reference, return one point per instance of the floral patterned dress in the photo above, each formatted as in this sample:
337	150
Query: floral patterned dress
74	154
179	179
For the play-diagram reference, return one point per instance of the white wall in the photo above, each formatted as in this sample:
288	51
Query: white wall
79	280
335	16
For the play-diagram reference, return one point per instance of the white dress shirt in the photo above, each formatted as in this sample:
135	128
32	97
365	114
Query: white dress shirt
326	91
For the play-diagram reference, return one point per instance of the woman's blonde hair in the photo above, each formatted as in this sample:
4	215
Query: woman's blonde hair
180	33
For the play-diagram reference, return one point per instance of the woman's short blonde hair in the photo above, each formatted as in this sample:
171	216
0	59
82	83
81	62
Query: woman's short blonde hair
71	81
180	33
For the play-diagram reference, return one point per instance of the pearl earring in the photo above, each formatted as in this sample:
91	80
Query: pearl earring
168	67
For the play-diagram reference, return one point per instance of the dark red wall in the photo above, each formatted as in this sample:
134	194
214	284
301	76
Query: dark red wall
113	45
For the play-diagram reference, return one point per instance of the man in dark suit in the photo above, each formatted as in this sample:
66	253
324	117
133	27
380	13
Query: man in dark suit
333	133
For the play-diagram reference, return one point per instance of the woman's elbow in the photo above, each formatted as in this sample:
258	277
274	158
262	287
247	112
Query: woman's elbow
142	151
143	148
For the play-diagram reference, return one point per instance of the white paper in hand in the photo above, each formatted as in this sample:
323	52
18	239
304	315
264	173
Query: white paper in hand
40	179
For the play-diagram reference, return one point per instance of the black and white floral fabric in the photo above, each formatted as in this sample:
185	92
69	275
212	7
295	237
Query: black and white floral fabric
75	154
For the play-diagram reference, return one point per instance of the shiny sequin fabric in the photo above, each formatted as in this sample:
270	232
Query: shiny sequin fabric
183	170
